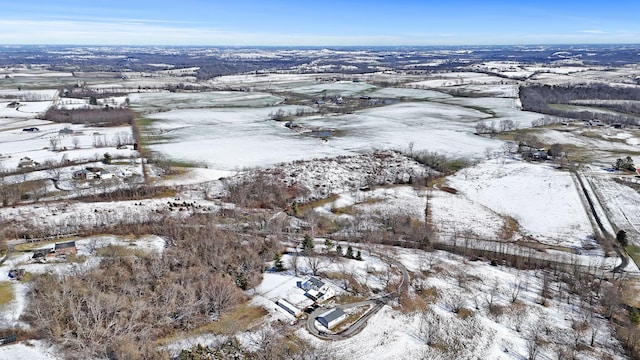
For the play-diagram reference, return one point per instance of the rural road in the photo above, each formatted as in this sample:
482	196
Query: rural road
590	207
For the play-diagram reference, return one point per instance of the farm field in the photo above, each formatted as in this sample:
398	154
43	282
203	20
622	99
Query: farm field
232	208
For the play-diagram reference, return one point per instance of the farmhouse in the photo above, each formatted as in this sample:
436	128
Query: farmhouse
331	318
26	162
67	248
316	290
83	174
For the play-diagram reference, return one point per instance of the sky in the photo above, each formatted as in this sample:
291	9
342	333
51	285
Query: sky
319	23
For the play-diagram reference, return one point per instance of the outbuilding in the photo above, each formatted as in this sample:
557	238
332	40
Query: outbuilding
289	307
331	318
66	248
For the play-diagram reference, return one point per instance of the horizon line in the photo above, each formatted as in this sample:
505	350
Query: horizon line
326	45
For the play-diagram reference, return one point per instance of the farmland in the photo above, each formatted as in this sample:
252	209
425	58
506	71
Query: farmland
427	198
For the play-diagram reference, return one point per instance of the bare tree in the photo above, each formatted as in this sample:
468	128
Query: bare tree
294	264
455	301
54	143
315	263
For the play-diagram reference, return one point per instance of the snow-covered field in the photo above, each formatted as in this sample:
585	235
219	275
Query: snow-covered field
227	131
621	203
48	144
156	102
544	201
392	334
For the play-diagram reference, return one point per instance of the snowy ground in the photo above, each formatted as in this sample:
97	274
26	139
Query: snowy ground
86	247
544	201
621	203
392	334
85	143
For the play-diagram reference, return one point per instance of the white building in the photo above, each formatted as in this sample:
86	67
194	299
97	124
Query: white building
289	307
331	318
316	289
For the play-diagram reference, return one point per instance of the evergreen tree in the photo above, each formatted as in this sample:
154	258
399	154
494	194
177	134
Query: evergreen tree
278	265
328	245
634	315
294	208
339	250
621	236
358	255
106	158
349	254
307	245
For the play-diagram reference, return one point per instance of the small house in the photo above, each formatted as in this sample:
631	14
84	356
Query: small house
331	318
67	248
26	162
83	174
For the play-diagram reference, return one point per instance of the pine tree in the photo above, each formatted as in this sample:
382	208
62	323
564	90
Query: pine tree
307	245
328	245
339	250
359	255
278	265
294	208
621	236
349	254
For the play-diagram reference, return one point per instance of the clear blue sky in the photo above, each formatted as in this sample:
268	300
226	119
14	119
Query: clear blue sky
319	23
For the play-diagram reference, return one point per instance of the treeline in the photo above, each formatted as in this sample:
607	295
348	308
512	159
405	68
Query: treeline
119	309
95	117
221	67
538	97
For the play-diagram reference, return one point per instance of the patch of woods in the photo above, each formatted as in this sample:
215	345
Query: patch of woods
596	300
105	117
119	309
261	190
538	98
444	165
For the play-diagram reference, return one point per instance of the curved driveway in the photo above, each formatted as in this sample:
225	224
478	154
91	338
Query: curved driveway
377	304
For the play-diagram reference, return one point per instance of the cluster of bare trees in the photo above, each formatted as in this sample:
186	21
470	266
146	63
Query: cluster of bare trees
261	190
117	309
119	139
491	128
281	115
271	343
96	117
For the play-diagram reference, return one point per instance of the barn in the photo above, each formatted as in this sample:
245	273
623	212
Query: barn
331	318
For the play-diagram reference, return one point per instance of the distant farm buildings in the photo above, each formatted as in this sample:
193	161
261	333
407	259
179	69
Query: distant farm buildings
59	249
92	173
65	131
26	162
66	248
